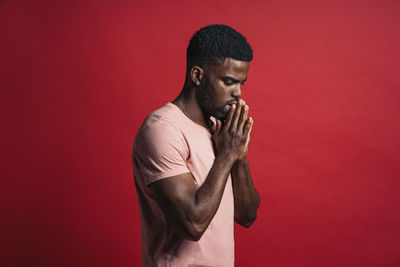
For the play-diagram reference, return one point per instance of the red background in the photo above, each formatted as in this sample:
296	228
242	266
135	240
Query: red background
78	78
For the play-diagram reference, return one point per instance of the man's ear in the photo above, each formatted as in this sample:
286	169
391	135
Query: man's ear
196	74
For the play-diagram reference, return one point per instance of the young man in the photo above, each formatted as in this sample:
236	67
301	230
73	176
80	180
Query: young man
189	159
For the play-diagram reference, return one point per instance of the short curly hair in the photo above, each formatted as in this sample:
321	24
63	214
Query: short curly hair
212	44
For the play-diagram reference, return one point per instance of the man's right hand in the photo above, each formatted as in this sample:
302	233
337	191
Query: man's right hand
232	137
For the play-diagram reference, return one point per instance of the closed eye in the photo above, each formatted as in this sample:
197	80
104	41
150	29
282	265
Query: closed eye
230	81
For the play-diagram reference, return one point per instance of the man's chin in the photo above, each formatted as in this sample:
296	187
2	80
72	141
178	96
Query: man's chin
220	115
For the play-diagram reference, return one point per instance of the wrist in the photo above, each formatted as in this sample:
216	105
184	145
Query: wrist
241	161
225	160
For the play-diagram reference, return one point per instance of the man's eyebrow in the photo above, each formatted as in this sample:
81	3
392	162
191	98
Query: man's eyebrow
234	79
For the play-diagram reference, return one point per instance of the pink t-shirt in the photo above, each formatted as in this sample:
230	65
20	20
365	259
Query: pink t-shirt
168	143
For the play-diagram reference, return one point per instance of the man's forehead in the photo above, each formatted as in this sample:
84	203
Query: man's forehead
232	67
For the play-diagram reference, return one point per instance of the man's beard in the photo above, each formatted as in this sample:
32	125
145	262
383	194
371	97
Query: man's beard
207	106
220	113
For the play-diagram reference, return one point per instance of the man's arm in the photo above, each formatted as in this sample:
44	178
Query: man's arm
246	197
190	211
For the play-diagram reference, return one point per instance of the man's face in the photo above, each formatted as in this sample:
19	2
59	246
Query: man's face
221	86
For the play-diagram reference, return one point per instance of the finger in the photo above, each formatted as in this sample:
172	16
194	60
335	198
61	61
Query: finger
251	126
248	134
243	118
228	120
236	116
218	127
248	127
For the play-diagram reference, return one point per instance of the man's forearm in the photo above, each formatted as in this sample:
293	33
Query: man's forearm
209	195
246	197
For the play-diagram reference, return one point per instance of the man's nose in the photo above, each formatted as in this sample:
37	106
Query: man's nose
237	92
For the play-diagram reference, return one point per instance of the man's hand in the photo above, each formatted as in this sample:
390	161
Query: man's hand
232	137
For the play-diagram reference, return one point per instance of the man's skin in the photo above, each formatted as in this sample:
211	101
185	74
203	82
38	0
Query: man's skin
213	91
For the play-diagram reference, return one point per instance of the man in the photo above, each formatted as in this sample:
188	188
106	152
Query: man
189	158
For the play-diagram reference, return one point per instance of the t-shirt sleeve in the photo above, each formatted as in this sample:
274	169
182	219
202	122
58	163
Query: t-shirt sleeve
160	152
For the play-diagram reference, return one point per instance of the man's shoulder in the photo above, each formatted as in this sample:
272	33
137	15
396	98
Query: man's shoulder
168	114
160	124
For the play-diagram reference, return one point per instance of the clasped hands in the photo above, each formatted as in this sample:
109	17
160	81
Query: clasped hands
232	137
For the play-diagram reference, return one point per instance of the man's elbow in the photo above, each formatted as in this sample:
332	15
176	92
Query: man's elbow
194	232
246	221
194	236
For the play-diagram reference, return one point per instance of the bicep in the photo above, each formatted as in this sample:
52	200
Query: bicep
175	196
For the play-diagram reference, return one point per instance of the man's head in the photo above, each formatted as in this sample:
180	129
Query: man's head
217	63
214	43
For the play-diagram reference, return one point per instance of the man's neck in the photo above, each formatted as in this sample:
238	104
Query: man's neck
186	101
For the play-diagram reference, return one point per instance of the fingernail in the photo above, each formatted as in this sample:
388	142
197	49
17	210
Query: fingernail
233	106
246	107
